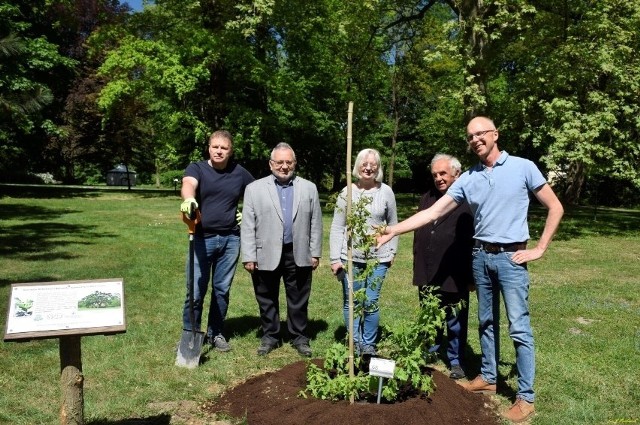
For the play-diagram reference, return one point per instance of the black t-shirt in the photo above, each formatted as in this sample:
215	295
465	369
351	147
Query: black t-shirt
217	195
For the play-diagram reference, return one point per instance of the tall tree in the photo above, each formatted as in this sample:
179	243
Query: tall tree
157	69
426	104
273	71
77	141
326	59
268	71
578	81
27	69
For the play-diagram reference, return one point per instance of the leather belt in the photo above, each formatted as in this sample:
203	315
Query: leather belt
494	248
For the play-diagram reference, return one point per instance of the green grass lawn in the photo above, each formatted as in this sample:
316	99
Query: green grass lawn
584	299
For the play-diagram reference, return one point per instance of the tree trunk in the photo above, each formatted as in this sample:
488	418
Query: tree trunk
472	12
126	167
394	141
575	181
157	173
71	381
394	136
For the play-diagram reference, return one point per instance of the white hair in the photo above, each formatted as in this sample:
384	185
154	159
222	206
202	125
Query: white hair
283	146
360	158
453	162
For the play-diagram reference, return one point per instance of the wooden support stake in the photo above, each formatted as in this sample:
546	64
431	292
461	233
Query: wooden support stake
350	247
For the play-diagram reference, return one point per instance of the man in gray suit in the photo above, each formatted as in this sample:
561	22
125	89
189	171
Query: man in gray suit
281	238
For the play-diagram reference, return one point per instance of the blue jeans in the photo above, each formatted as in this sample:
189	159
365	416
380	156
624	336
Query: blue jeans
456	323
365	332
215	256
495	274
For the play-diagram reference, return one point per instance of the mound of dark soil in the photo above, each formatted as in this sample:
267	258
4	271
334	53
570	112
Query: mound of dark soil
273	399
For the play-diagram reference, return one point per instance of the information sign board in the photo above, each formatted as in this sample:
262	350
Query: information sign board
53	309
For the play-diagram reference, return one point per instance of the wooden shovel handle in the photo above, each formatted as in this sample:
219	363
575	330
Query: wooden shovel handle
191	222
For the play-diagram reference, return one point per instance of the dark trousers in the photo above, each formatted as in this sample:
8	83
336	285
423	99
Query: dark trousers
297	286
457	326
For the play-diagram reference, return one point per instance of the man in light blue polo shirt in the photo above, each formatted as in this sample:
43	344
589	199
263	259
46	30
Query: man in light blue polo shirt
497	190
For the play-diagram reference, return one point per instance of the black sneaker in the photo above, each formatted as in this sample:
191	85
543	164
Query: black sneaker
265	348
220	344
456	372
368	350
304	349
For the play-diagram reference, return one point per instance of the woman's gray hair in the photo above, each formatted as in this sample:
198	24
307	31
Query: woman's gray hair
282	146
453	162
360	158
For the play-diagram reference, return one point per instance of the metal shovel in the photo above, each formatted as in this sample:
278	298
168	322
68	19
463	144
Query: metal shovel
191	341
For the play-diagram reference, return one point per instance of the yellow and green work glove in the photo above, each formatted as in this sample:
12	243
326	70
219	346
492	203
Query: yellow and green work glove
185	206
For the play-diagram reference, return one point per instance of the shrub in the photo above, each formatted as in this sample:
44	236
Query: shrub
166	178
407	344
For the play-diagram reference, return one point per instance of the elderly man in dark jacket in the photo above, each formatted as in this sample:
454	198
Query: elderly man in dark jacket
442	259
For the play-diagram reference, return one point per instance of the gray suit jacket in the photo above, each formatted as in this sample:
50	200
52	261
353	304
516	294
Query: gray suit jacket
261	231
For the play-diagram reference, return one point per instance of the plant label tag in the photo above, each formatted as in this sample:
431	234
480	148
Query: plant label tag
382	367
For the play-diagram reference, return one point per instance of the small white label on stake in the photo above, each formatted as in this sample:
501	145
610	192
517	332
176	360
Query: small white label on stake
382	367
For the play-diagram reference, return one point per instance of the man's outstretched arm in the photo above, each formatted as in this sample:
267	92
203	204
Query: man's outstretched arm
442	207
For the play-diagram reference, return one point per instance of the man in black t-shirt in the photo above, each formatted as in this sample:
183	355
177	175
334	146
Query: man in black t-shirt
215	186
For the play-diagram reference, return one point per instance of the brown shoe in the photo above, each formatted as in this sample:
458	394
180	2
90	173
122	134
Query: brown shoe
479	385
520	411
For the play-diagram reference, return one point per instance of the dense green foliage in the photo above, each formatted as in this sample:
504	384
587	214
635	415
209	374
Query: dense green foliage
87	84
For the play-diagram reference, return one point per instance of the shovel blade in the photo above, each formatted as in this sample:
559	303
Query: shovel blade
189	349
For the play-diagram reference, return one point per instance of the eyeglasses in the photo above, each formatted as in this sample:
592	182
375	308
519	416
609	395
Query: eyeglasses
371	165
281	163
478	134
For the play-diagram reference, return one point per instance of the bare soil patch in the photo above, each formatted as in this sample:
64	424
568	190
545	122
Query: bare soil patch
273	399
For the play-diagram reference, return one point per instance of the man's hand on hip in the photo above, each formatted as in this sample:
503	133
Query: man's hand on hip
526	255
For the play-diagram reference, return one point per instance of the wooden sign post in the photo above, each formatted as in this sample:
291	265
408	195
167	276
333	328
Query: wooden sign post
71	381
68	311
